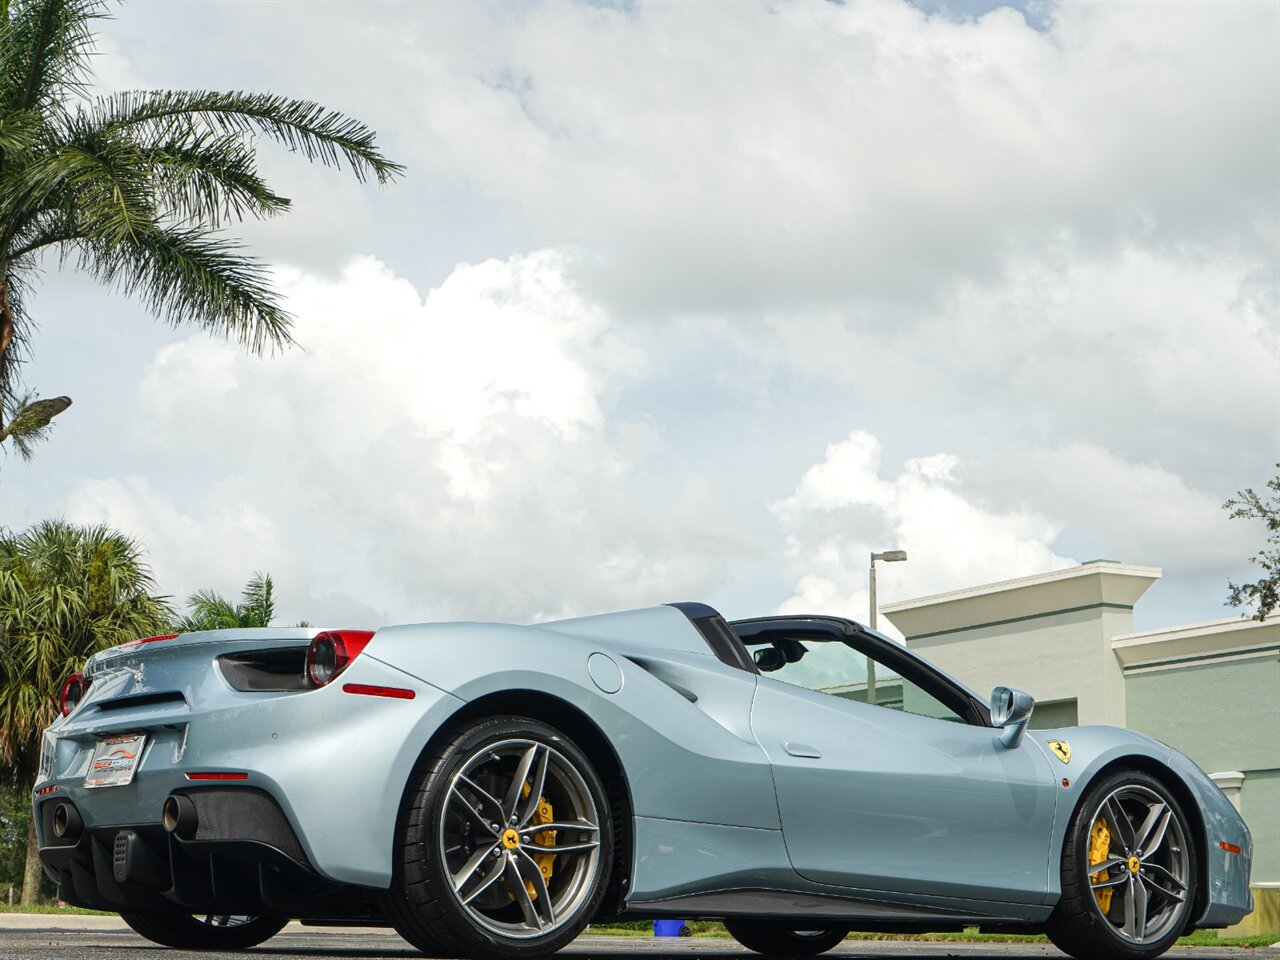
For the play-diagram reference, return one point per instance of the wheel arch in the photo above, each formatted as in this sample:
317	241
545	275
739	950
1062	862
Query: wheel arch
579	727
1170	779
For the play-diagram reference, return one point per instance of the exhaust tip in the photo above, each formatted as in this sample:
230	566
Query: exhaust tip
66	822
179	816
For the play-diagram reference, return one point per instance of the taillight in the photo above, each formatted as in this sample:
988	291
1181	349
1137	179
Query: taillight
330	653
141	640
73	692
163	636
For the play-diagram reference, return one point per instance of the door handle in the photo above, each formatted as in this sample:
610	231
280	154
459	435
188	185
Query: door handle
797	749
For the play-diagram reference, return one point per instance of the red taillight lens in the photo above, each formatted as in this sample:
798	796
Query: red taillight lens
142	640
73	692
330	653
369	690
219	775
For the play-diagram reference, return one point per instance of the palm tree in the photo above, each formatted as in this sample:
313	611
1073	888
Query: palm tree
134	188
212	611
66	592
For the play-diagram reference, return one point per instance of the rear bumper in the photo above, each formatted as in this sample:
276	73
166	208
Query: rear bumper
332	765
243	859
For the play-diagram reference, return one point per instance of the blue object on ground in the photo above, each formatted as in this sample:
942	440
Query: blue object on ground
667	928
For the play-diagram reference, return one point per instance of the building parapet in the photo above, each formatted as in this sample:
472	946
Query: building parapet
1234	638
1091	586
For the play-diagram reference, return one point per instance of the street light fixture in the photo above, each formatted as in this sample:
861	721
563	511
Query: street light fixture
888	556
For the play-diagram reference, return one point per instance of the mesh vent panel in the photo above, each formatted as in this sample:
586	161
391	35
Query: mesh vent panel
244	814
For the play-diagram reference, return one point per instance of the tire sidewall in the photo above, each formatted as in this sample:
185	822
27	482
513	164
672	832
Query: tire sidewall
780	938
477	736
187	933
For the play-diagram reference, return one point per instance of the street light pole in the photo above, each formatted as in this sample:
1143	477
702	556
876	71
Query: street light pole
888	556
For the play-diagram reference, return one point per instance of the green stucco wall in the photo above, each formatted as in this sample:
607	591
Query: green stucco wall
1260	806
1225	716
1054	714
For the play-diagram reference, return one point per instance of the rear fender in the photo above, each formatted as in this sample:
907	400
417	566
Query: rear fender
684	741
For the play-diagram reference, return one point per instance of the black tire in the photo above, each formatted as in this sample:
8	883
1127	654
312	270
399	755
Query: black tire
204	933
1079	926
422	904
778	940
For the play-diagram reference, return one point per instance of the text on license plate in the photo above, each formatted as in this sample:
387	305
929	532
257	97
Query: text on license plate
114	760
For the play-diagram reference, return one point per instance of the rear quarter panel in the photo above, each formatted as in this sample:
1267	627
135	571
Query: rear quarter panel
684	760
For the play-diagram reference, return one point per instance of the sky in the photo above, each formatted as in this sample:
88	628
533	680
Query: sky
704	301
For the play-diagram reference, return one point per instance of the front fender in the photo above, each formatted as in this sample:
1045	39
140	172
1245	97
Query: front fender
1092	749
1225	875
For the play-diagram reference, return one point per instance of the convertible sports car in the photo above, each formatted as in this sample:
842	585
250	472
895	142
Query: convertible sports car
489	789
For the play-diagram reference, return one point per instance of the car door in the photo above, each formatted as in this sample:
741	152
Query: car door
909	793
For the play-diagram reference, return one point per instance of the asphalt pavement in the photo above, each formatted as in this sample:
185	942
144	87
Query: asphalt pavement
33	943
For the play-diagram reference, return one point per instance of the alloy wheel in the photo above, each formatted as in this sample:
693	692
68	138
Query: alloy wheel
1138	864
520	838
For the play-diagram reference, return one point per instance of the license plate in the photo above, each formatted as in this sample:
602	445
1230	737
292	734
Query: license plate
114	760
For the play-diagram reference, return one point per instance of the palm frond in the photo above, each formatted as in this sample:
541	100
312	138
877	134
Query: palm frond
186	276
134	186
209	611
207	179
100	176
19	130
258	605
45	47
305	127
53	226
66	592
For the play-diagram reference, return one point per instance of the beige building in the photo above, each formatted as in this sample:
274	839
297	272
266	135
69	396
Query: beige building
1210	690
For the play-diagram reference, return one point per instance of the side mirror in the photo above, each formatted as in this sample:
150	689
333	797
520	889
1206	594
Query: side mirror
768	659
1010	712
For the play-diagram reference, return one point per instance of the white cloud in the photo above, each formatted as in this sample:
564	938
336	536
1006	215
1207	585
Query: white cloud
842	510
729	155
1145	354
217	538
440	456
1051	254
1136	512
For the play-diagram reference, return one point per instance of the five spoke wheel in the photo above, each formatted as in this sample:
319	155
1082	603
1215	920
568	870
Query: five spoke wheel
1145	864
520	828
506	843
1128	872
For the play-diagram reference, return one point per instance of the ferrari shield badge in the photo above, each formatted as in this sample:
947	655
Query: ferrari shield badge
1061	749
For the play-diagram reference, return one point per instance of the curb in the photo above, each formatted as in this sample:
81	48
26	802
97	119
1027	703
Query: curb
83	921
59	921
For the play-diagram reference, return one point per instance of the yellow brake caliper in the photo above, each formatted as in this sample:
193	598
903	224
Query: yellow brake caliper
547	838
1099	850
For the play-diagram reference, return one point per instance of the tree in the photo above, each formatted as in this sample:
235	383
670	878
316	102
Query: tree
15	822
1264	592
66	592
212	611
135	188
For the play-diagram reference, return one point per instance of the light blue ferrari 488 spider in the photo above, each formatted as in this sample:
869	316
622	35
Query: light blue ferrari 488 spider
488	790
